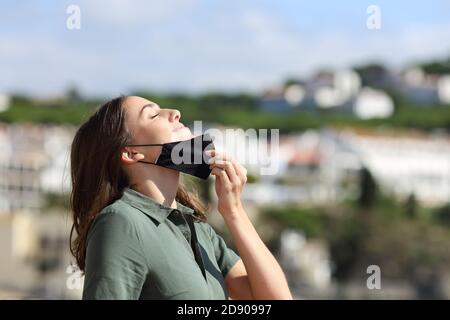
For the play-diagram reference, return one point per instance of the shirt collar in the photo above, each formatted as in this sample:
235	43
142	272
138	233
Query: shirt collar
150	207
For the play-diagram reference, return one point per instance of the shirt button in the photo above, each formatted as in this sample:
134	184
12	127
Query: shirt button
176	211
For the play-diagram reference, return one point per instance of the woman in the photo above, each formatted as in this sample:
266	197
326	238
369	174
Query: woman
138	234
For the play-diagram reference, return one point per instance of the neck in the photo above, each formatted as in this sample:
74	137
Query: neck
160	184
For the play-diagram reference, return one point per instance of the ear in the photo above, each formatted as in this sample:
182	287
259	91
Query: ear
130	157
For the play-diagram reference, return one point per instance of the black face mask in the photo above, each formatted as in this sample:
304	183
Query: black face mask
185	156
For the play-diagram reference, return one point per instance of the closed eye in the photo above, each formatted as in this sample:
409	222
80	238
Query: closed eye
153	117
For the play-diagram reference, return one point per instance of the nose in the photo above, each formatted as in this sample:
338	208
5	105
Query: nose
175	115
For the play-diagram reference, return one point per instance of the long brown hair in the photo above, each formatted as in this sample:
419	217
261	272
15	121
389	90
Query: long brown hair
97	176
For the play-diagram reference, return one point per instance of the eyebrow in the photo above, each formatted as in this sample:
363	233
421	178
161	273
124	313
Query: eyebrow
151	105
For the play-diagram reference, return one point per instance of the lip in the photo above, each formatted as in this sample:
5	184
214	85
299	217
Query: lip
179	127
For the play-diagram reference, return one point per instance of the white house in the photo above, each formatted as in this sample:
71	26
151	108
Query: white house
427	89
4	102
403	163
346	84
34	160
371	103
444	89
307	261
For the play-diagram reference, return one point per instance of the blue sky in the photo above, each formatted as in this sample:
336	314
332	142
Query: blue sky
197	46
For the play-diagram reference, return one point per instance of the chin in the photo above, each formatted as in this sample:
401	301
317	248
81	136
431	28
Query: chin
183	134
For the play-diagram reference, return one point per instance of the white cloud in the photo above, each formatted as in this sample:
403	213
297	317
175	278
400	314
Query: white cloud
138	12
184	49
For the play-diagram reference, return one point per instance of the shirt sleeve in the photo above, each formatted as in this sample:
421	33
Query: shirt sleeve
115	267
225	256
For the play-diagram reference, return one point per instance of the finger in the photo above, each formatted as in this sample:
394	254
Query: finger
219	157
211	153
223	164
221	175
240	171
216	171
229	168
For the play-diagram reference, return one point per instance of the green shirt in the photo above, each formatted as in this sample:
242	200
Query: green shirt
140	249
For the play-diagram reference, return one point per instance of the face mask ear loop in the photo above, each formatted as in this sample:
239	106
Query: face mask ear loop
151	162
147	145
144	145
142	161
156	161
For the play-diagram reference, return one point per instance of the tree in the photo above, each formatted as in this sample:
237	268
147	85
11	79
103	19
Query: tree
443	214
373	74
368	189
437	67
73	94
411	206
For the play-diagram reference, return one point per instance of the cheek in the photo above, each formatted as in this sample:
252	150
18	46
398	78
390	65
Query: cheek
156	132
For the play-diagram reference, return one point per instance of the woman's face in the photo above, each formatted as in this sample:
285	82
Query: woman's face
149	123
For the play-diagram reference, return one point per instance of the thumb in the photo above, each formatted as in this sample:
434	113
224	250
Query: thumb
216	172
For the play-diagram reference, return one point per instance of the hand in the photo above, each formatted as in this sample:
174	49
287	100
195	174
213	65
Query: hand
230	180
